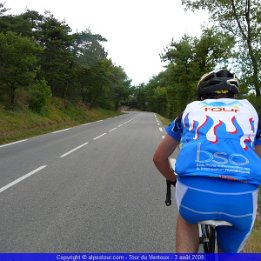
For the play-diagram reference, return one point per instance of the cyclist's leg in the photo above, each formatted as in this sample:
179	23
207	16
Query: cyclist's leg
187	235
232	239
187	239
193	205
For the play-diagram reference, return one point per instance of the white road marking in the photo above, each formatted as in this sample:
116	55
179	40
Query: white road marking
113	129
9	144
73	150
99	121
161	130
21	178
120	125
61	130
98	137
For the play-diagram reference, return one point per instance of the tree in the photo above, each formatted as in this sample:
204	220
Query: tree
138	97
39	94
18	63
33	20
98	84
3	9
88	55
119	86
187	60
153	96
56	60
213	49
14	23
87	47
73	65
242	20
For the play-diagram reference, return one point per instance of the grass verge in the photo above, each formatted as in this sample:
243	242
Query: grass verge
254	242
23	123
164	121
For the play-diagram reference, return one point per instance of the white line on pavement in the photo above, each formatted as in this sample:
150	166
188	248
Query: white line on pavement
60	130
8	144
22	178
161	130
73	150
96	138
113	129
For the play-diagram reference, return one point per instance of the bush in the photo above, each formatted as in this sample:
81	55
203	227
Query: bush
39	94
256	101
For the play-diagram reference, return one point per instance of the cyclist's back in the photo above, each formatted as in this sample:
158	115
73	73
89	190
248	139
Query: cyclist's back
219	136
218	170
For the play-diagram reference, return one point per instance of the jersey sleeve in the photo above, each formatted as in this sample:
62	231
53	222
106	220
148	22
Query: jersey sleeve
174	129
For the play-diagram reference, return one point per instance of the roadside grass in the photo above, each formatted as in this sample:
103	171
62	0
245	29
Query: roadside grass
254	242
60	114
164	121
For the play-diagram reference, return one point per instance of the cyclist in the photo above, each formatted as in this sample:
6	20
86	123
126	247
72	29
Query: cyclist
218	165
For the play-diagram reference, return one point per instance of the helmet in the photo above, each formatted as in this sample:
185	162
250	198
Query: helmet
221	81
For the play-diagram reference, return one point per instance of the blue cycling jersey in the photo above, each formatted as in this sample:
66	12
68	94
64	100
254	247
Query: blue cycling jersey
217	138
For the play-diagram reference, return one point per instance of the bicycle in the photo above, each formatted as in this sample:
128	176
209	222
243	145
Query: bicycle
208	234
207	228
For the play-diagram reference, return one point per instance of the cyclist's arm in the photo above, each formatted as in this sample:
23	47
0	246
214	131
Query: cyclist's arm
161	157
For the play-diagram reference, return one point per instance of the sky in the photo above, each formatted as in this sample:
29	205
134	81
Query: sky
137	31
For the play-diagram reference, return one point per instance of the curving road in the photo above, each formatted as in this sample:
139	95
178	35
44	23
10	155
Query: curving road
91	188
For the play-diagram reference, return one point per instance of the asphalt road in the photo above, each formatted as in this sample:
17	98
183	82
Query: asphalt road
91	188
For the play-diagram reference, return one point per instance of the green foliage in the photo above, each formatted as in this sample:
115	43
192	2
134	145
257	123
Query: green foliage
39	95
187	60
232	41
256	101
120	87
18	63
23	123
240	20
35	47
88	49
57	57
3	9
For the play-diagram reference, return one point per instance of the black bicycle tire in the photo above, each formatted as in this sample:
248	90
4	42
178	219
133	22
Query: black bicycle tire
212	240
205	237
210	243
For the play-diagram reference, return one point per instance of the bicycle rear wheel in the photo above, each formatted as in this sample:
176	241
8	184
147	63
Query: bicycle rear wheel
210	242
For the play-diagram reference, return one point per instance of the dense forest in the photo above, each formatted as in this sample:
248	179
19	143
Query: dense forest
41	58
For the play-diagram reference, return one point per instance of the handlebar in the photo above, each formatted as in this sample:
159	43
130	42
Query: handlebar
172	162
168	192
